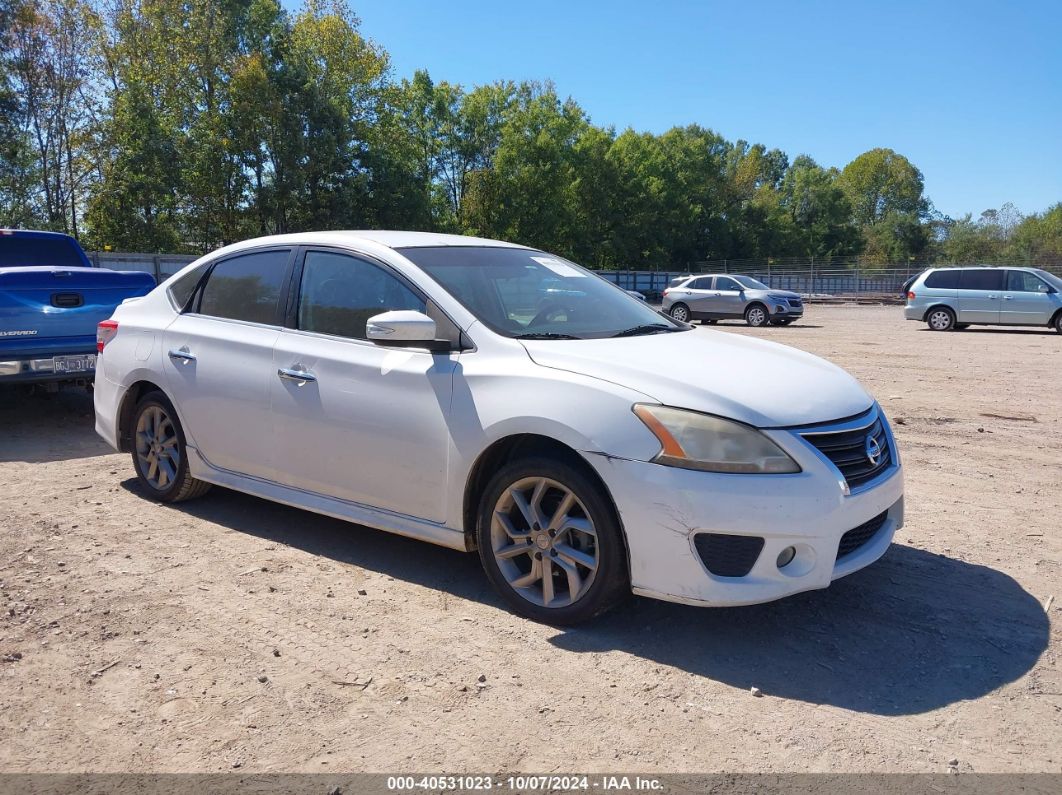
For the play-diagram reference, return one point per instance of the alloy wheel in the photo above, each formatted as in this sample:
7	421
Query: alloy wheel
757	316
939	320
680	313
544	542
157	450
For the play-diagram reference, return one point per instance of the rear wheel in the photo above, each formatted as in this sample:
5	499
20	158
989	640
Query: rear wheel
757	315
680	312
160	453
550	543
1058	323
940	319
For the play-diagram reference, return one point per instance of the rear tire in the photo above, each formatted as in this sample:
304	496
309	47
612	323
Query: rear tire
940	318
547	536
680	312
160	453
1058	323
757	316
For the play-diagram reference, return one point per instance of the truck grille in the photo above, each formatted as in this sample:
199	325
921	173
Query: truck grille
859	536
850	451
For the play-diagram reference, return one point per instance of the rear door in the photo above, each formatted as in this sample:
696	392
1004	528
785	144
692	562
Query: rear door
1026	300
698	295
364	423
979	294
219	360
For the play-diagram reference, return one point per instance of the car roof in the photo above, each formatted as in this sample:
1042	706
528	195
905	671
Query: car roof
390	239
983	268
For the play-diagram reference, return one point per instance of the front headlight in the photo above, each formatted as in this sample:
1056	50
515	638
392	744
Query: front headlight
701	441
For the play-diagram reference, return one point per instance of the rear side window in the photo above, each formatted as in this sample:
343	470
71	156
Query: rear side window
943	280
246	287
703	283
981	280
1022	282
724	283
181	290
339	293
22	251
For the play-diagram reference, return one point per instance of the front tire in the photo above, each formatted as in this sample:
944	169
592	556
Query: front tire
757	316
680	312
160	453
940	319
1058	323
550	542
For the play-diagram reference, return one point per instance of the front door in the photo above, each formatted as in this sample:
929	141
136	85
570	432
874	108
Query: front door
355	420
218	360
979	295
1027	300
727	299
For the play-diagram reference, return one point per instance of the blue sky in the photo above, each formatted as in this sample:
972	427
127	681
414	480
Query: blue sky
970	91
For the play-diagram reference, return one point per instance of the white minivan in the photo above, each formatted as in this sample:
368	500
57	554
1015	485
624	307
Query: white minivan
493	397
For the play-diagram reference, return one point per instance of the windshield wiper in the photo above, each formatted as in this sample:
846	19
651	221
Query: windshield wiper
648	328
545	335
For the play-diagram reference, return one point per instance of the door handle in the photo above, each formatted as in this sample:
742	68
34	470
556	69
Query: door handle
991	295
302	376
1007	297
182	355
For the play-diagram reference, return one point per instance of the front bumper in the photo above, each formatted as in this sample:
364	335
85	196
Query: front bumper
663	509
780	310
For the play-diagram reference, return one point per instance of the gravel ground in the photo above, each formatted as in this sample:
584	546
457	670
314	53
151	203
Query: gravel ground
234	633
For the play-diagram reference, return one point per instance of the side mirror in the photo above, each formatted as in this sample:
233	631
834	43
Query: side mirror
402	327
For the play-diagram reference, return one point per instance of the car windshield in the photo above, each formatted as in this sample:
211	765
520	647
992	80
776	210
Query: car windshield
528	294
750	283
1050	278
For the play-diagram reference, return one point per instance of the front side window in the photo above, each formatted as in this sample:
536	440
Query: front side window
529	294
246	287
1024	282
981	279
339	293
726	283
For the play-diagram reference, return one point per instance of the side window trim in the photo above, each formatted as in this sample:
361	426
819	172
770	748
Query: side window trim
194	305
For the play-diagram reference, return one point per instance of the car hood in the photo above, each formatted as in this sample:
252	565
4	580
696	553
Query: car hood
765	293
743	378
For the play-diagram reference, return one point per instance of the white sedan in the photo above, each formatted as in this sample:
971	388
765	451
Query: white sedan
492	397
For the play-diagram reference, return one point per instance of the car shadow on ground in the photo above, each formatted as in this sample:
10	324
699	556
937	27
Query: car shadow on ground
912	633
1026	330
39	427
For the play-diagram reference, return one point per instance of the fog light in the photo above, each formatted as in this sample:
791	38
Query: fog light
785	557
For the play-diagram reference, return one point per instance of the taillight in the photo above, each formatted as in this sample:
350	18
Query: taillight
666	291
105	332
910	296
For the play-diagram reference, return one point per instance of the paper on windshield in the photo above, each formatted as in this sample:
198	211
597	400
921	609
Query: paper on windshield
558	267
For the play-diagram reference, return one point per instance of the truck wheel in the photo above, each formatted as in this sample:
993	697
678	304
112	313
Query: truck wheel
160	454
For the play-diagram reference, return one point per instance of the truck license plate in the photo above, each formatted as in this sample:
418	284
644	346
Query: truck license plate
74	364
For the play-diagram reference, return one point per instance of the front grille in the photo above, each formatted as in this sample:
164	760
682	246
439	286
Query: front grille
848	452
858	536
728	556
794	302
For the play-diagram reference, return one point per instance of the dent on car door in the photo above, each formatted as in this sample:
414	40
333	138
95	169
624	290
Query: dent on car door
366	423
1026	300
219	356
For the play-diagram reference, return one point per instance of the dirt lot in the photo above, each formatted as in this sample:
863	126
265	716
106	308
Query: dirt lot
233	632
